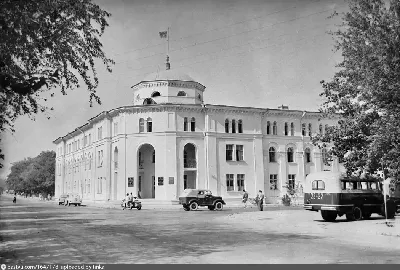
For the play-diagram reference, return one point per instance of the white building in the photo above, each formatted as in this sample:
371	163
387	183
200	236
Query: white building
169	140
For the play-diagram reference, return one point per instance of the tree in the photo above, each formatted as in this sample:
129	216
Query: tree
36	175
46	45
365	89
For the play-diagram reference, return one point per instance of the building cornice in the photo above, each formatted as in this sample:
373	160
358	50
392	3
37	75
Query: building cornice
169	83
207	108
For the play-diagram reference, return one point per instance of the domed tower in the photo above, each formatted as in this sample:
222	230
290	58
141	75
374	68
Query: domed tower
168	87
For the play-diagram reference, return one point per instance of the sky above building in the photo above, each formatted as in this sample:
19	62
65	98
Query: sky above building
256	53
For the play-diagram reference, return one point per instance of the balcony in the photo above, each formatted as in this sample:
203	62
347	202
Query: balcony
190	163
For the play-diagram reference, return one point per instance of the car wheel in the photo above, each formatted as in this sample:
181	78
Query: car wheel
59	203
186	208
211	207
194	206
218	206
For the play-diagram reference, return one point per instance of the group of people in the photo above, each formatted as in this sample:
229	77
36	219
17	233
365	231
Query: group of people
259	199
128	199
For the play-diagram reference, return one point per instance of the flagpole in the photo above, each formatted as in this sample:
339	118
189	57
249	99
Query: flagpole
168	41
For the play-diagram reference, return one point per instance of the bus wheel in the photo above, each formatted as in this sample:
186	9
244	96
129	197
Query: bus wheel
367	215
356	214
390	209
328	215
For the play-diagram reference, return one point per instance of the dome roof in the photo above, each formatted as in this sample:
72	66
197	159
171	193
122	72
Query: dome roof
168	75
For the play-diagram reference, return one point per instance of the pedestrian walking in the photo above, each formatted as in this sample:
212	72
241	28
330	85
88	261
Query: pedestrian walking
260	200
15	199
245	198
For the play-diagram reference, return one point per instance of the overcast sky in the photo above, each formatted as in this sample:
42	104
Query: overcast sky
247	53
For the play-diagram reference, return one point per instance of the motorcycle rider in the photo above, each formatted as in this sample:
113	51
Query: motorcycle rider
126	201
130	199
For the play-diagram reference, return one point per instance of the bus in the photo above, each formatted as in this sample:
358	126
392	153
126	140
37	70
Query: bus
336	194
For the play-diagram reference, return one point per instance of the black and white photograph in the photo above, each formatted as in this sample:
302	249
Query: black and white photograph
199	132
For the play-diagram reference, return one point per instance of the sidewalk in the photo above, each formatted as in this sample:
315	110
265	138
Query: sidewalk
231	203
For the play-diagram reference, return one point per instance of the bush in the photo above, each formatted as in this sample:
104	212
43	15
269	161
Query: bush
286	200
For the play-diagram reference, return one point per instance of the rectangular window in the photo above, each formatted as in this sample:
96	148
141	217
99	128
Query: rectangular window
273	182
229	152
115	128
149	126
90	139
239	152
99	185
291	180
101	160
100	133
85	141
240	182
229	182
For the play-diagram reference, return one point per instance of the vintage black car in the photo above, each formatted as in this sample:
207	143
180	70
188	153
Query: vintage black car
191	199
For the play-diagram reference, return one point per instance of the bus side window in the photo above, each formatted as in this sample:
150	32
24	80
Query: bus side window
364	185
343	183
373	185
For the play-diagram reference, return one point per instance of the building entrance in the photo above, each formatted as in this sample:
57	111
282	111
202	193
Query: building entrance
146	160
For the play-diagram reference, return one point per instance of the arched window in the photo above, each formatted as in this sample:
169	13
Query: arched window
226	125
156	94
148	101
307	155
292	129
141	125
116	158
193	124
233	126
286	129
290	154
268	127
149	125
181	94
185	124
309	129
272	154
303	129
320	129
240	126
275	128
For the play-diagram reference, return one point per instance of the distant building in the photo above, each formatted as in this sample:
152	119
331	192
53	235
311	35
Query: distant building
169	140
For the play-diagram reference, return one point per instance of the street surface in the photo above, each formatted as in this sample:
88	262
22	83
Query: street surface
33	232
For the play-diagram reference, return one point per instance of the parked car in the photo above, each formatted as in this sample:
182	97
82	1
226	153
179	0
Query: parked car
74	199
62	198
191	199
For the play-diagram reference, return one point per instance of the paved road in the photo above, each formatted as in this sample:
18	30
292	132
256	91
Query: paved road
42	232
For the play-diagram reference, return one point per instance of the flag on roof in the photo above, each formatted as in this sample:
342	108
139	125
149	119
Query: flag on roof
163	34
